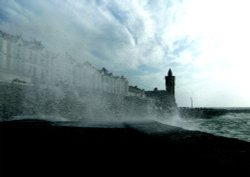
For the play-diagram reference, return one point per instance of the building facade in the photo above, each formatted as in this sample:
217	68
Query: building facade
165	99
29	62
23	61
135	91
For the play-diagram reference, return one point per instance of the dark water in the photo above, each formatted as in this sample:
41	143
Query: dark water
233	125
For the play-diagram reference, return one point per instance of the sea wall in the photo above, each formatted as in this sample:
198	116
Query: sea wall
20	99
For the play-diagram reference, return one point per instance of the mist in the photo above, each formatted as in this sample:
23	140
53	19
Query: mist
42	84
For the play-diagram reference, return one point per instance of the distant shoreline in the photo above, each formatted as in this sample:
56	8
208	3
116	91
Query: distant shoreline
206	112
227	108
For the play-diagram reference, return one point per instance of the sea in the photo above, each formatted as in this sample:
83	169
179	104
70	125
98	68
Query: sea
232	125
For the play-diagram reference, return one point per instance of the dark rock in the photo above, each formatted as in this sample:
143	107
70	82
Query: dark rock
42	145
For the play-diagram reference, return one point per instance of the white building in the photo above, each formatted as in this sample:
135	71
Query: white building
29	62
23	61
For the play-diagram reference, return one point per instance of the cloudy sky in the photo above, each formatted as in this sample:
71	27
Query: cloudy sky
205	42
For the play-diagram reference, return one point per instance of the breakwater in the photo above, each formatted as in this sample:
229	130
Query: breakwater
209	112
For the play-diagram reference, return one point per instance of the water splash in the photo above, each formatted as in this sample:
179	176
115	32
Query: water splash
231	125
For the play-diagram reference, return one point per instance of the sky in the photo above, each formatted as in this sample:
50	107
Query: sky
205	42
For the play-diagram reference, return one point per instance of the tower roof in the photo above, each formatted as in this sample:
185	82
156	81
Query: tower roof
170	73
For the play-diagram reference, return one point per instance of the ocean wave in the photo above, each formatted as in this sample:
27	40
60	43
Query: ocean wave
232	125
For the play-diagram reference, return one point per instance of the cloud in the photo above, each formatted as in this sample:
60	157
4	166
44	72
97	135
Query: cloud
102	30
142	39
